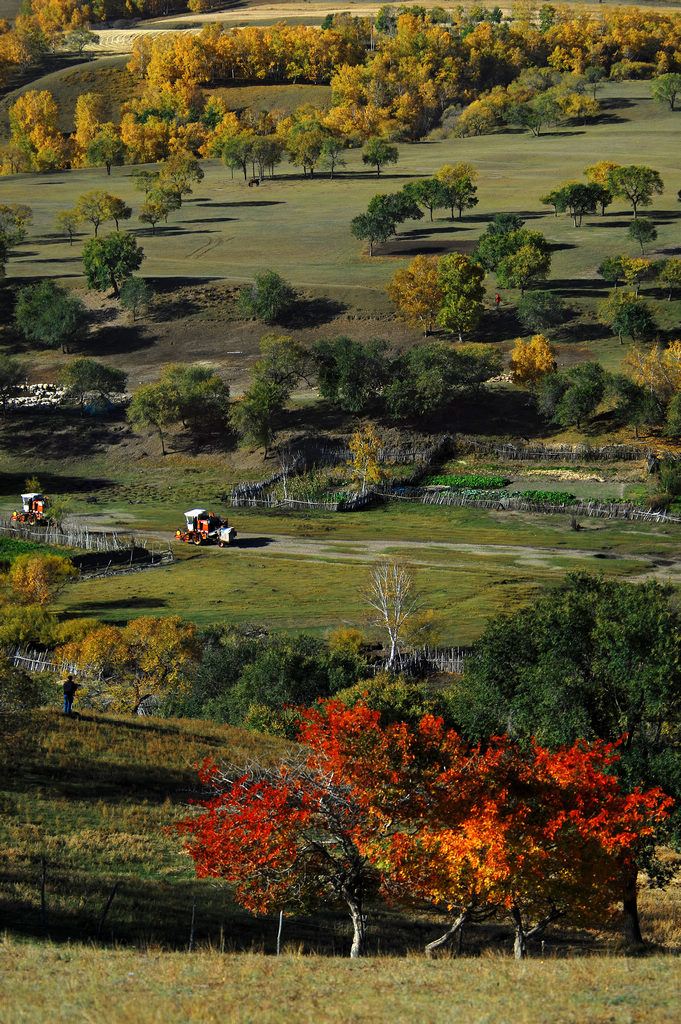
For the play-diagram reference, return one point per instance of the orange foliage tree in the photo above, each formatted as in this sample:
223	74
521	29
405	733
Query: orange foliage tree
417	814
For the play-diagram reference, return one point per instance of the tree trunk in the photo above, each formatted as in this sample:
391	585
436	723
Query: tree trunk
631	924
457	926
520	943
359	926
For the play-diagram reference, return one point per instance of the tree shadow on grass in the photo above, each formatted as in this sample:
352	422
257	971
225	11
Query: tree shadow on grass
55	483
431	229
595	286
118	340
129	607
51	433
211	205
314	312
208	220
411	247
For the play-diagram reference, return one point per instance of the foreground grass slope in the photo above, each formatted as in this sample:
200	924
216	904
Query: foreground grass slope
83	984
93	796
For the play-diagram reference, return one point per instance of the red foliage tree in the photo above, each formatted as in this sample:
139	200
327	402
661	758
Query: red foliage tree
417	814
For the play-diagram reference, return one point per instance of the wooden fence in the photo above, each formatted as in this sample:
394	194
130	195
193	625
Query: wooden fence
590	509
298	462
343	505
31	659
86	540
428	659
72	537
568	453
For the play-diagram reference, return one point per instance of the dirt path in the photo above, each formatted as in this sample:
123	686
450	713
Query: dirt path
444	553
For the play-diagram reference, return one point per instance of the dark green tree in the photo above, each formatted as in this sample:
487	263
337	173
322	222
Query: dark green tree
270	297
106	149
377	153
12	374
642	230
577	199
624	313
592	660
430	192
569	398
351	374
635	183
85	377
46	313
539	310
635	406
135	295
110	261
665	88
374	228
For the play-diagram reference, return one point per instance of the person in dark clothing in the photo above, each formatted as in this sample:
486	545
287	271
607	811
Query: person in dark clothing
70	688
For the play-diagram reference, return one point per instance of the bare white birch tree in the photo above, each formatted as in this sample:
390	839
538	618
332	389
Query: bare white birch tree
391	592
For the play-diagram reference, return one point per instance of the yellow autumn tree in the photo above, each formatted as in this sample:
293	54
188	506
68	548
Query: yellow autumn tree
531	360
451	173
598	173
37	579
635	270
34	126
416	293
87	122
656	369
148	657
365	467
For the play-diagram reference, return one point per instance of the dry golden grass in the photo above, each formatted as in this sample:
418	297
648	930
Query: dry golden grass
77	984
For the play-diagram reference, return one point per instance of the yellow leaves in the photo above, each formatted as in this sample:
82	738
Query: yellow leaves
365	446
35	579
87	121
598	173
656	369
149	655
449	174
416	293
531	360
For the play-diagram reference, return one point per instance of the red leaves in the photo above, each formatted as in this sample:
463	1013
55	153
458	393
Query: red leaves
425	815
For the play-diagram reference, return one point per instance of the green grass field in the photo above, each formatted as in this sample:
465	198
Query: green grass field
304	572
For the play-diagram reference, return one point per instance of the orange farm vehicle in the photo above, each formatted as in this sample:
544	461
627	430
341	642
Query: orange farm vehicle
33	510
206	528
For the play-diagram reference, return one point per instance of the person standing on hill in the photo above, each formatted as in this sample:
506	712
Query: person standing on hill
70	688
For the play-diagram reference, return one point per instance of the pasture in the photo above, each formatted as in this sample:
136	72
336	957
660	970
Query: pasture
223	235
300	227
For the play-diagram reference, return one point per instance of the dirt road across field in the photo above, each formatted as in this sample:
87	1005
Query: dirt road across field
435	554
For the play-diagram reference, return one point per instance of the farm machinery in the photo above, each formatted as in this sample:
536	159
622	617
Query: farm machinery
33	510
206	528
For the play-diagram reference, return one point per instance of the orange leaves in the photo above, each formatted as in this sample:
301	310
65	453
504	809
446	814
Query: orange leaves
425	816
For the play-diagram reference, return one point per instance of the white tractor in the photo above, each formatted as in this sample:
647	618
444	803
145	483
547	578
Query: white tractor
204	527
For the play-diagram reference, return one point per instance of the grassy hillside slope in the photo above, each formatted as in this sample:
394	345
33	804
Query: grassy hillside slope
93	796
